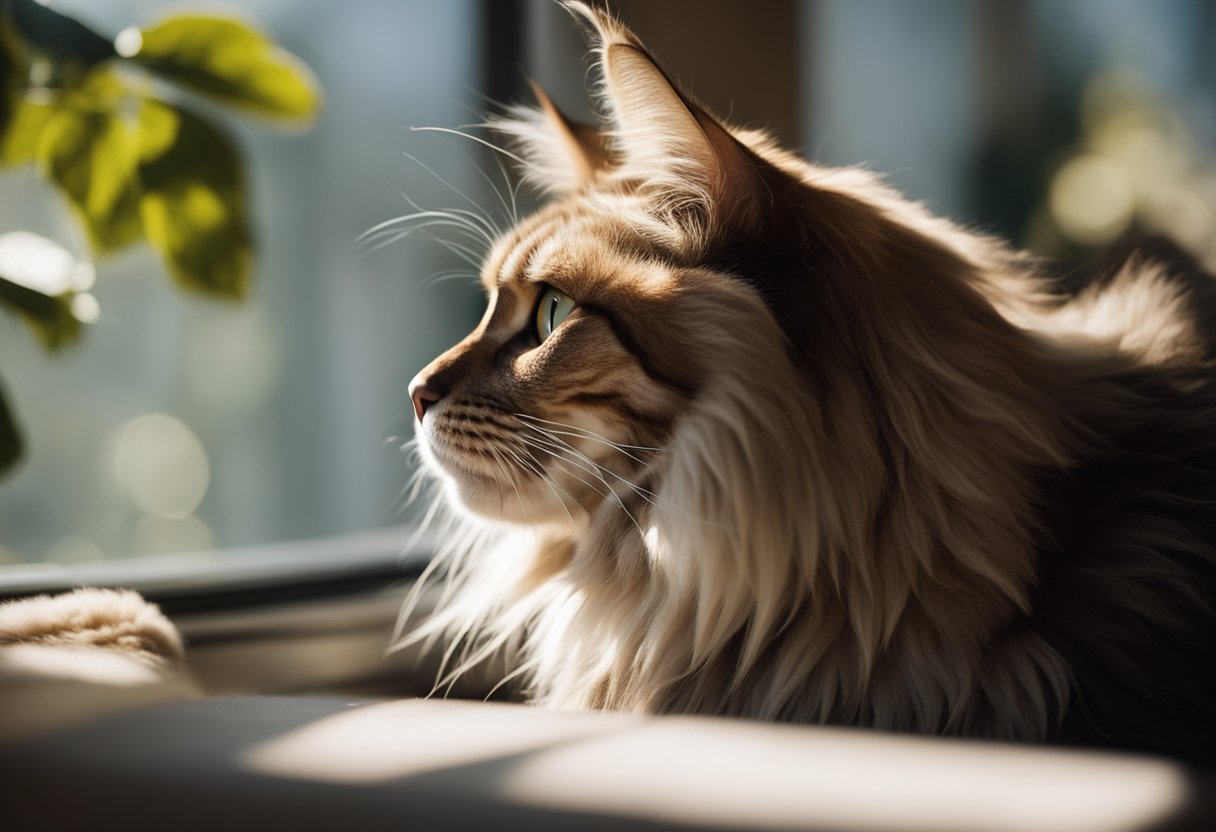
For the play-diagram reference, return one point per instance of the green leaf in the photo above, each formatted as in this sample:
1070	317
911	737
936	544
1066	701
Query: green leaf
58	36
193	205
10	88
91	154
20	140
229	61
11	445
50	316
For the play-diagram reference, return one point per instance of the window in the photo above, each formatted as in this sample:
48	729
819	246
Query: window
181	424
185	424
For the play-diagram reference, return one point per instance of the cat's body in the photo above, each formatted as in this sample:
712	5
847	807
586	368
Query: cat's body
778	443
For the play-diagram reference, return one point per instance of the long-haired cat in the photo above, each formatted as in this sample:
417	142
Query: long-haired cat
768	439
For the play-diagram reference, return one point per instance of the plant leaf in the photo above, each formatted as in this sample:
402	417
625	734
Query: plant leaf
10	89
232	62
91	153
26	122
11	445
193	205
50	316
58	36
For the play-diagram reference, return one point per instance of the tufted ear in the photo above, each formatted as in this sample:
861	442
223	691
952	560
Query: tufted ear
560	155
681	154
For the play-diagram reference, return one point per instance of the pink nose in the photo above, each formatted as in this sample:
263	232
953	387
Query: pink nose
422	397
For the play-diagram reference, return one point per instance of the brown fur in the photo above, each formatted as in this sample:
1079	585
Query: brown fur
804	451
108	619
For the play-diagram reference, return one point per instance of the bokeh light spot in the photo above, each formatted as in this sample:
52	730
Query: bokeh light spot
161	465
85	308
83	276
165	535
1091	200
128	42
36	262
74	549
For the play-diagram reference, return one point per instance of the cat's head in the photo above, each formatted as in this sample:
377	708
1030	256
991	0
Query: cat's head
610	308
676	254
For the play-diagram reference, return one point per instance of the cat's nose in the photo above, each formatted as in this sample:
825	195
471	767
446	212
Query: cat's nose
422	396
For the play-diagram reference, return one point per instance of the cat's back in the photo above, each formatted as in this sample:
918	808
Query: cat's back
1127	582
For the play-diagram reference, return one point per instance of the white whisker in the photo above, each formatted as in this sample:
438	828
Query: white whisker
477	215
610	494
544	477
473	138
589	434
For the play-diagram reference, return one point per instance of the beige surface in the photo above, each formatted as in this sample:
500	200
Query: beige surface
410	764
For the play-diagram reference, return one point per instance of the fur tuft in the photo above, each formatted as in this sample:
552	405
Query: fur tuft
83	655
117	620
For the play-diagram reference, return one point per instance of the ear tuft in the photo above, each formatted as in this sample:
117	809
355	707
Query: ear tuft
561	155
656	127
605	27
682	156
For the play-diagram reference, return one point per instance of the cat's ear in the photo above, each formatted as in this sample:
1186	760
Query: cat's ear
664	139
560	155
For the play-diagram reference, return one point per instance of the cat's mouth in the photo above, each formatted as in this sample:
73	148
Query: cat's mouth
523	474
462	455
480	481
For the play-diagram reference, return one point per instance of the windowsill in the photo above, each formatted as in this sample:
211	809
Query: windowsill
228	578
330	763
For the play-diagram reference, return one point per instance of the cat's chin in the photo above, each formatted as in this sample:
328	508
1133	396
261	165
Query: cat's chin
491	500
488	497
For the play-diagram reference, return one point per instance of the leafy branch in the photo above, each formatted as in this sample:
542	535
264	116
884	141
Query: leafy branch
131	166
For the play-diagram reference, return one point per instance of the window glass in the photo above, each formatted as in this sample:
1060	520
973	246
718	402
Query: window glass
183	423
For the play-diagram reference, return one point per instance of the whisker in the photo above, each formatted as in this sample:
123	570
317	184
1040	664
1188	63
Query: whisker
394	222
489	102
589	434
504	467
559	452
463	252
472	138
508	209
611	495
473	233
556	435
450	274
484	219
468	255
615	499
512	190
544	477
478	216
552	436
460	251
649	496
657	500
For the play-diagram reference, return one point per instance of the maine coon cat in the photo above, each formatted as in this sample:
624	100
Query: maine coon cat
765	438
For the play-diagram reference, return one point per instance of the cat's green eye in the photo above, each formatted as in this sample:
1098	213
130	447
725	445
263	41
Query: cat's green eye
552	308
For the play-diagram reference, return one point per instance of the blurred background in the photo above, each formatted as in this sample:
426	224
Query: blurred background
182	424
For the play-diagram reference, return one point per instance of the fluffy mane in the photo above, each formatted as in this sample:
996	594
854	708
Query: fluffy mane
912	485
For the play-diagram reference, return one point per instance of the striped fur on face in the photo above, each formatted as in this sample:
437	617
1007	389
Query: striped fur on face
802	451
542	432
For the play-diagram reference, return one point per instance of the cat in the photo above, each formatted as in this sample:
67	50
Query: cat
764	438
